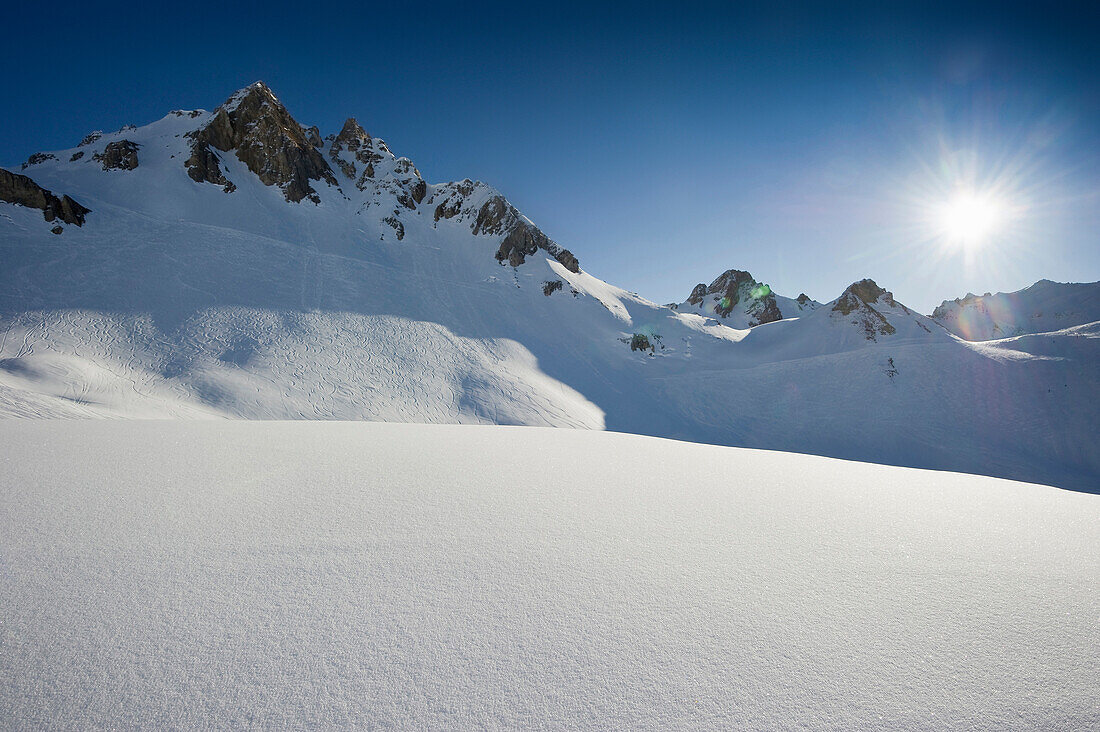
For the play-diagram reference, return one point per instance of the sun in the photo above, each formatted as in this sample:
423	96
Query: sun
970	218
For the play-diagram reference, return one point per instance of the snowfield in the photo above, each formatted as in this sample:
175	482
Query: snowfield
193	574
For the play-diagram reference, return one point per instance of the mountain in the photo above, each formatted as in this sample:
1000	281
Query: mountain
237	263
1045	306
742	302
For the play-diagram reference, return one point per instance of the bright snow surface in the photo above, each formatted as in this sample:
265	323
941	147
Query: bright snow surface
222	574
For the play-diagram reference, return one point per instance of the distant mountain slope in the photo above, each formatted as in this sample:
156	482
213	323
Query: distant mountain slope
239	264
1042	307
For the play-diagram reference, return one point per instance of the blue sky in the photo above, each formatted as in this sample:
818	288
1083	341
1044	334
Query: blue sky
661	143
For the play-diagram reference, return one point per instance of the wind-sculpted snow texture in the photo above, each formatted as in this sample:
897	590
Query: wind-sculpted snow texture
356	575
378	296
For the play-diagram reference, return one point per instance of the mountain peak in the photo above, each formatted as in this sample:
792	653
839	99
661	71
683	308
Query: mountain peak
258	128
352	130
736	288
866	291
257	91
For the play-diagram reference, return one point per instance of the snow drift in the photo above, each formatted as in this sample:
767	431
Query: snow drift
381	575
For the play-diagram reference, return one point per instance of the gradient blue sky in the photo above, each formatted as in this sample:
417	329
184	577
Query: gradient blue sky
661	143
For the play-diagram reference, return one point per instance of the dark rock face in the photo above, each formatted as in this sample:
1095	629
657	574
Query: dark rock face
864	291
20	189
192	113
314	136
256	125
452	204
734	287
496	217
37	158
121	155
859	299
76	156
640	342
550	287
398	227
90	138
521	238
57	229
803	299
354	150
698	294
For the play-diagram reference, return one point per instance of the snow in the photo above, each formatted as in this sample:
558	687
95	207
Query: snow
178	300
1043	307
272	574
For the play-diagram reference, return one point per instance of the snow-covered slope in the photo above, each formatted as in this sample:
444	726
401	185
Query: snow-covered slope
236	263
1043	307
351	575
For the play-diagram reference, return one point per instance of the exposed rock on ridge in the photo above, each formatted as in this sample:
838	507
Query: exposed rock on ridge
121	155
20	189
734	287
354	150
859	298
37	158
255	124
494	216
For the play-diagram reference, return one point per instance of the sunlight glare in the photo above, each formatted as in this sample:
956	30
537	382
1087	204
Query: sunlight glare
969	218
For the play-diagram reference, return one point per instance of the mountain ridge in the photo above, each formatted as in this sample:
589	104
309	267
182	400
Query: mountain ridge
390	298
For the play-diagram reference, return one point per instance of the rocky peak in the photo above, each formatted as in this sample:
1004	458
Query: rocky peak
864	291
735	288
367	161
258	128
352	135
858	301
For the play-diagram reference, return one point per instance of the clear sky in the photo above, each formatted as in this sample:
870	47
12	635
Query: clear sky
661	143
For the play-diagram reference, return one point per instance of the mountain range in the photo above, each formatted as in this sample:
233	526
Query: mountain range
236	263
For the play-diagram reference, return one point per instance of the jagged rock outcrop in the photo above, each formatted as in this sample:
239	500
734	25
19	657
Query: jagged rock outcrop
120	155
90	138
76	156
735	288
489	213
551	286
37	158
20	189
369	163
255	125
860	298
398	227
